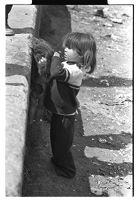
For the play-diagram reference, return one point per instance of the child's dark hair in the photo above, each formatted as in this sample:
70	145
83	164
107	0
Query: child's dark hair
85	45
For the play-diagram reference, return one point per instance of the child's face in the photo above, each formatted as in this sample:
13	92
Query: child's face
71	55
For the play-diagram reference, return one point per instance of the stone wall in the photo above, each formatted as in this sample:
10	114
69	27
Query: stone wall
25	20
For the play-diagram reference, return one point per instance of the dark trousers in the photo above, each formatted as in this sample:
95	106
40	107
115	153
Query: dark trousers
8	9
61	136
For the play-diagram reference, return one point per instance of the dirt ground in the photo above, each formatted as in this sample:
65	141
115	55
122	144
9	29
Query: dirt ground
104	118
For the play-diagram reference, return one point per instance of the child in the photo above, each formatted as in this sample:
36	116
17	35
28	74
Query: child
42	54
60	98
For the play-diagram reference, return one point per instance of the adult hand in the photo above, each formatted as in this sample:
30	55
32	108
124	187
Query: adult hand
56	54
42	65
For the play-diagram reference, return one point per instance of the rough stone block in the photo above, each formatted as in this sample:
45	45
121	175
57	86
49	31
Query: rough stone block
22	19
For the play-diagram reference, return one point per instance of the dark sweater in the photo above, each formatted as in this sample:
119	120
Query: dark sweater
63	87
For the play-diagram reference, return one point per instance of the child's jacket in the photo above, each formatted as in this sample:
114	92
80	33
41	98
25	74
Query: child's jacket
63	87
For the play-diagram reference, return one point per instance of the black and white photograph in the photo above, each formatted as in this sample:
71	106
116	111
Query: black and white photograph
69	94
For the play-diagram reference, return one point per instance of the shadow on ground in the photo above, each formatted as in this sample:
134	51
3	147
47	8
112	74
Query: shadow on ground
39	175
107	81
